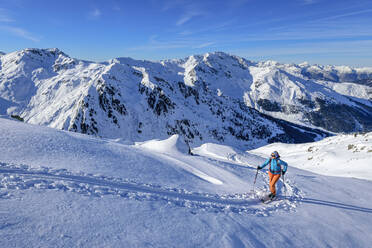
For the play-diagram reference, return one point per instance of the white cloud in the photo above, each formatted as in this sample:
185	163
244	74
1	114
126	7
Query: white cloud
207	44
185	33
20	32
190	9
116	8
4	16
155	43
187	17
345	15
339	48
96	13
171	4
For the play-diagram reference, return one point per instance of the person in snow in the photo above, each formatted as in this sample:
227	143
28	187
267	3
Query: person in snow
275	170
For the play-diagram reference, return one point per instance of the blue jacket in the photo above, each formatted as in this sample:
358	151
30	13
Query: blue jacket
275	166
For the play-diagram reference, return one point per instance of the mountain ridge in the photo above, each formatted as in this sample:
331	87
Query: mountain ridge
213	97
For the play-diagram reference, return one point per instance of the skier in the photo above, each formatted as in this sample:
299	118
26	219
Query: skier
275	170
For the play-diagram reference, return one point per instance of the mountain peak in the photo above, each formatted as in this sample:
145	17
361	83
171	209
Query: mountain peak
219	53
43	52
215	97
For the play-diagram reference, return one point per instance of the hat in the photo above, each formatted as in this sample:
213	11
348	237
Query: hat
275	154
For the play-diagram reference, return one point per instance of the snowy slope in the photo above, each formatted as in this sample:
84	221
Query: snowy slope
342	155
134	100
63	189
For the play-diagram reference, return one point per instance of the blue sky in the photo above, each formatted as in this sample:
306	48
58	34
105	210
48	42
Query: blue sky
290	31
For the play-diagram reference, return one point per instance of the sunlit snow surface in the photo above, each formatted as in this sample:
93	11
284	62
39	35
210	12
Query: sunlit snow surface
342	155
62	189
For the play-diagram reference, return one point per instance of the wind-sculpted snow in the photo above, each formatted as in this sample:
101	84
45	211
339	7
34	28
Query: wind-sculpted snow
65	189
24	177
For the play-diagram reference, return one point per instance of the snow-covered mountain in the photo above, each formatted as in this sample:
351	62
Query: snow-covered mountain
214	97
141	100
65	189
337	74
336	98
301	94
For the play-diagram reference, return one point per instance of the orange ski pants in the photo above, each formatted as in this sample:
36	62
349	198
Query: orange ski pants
273	179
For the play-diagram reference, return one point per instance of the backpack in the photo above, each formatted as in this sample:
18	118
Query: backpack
276	163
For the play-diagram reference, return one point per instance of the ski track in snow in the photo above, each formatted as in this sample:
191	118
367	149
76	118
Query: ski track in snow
23	177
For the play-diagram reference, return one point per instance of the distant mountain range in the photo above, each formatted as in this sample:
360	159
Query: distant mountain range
214	97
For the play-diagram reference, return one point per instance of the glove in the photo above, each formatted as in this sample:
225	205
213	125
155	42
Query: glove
259	168
283	172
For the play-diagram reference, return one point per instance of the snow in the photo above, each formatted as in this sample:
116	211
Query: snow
342	155
189	74
174	144
351	89
138	186
187	96
63	189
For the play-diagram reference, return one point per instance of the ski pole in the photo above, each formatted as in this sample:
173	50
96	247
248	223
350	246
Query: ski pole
285	187
255	178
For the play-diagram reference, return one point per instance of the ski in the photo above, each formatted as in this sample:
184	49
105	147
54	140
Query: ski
267	199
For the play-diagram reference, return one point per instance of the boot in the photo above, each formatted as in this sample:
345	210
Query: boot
271	196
